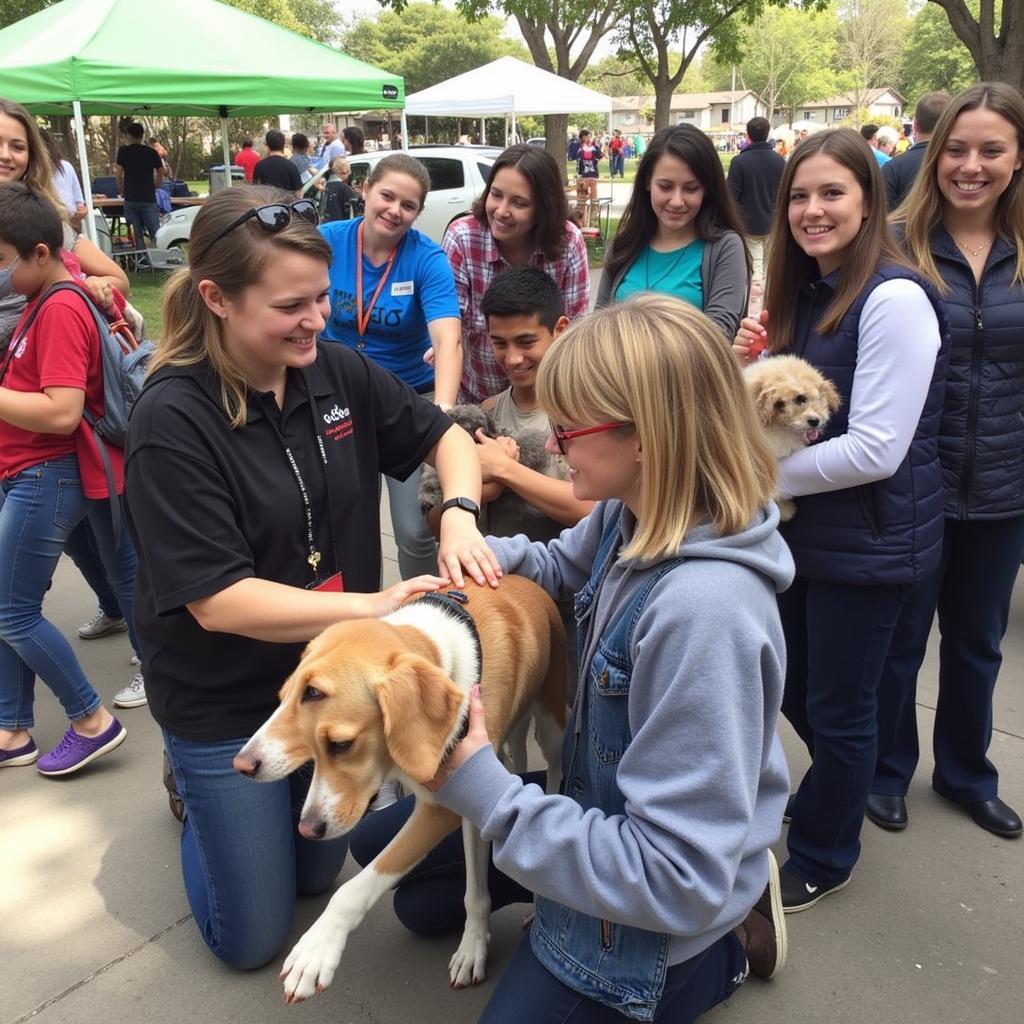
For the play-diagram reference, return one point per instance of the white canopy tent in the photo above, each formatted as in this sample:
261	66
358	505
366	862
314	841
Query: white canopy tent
506	87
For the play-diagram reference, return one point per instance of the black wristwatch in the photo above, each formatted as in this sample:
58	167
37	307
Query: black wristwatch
466	504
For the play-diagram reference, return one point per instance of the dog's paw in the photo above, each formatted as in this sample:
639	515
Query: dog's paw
468	965
309	968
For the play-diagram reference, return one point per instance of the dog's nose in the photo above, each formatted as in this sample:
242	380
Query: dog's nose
313	828
247	764
813	421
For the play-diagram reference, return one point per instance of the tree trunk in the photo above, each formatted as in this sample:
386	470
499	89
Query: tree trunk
556	135
998	51
663	89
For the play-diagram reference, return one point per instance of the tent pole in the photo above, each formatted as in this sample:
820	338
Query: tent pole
506	132
426	130
611	177
483	133
83	157
405	130
227	151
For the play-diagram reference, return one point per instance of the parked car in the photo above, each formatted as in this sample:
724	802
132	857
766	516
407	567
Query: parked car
457	176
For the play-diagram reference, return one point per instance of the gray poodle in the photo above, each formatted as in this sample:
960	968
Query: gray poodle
531	454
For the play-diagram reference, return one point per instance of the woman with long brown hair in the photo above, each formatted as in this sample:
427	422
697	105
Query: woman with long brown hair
520	220
252	472
963	226
868	525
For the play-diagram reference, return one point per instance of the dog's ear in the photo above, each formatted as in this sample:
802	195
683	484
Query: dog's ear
420	705
764	401
831	396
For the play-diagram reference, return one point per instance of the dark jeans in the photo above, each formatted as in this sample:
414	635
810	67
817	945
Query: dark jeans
429	901
142	216
972	590
528	991
84	551
837	642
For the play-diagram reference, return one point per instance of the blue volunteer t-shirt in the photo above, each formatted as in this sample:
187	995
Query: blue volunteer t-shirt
419	290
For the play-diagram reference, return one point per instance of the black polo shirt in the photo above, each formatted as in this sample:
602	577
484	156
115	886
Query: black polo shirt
139	162
278	171
209	506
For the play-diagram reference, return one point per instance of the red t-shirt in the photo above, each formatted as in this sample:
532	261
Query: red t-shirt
247	159
61	350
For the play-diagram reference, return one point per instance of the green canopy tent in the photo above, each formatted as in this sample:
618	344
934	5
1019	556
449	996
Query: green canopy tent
177	58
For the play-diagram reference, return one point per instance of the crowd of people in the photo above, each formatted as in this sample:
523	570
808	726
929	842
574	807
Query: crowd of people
303	366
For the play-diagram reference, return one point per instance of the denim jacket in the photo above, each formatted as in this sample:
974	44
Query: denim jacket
615	964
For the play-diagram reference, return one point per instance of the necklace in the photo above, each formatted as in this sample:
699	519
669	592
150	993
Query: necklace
974	252
650	285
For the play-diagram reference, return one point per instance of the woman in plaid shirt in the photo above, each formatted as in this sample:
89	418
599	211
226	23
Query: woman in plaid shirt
522	219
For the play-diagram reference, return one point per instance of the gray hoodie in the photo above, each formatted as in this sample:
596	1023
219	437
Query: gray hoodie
704	778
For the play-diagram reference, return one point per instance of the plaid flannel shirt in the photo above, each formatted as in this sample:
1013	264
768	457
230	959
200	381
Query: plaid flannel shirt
476	262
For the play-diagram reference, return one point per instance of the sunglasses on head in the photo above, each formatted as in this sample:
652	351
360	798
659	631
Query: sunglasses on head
272	218
561	435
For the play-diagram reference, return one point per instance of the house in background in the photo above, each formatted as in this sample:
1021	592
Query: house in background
712	111
836	109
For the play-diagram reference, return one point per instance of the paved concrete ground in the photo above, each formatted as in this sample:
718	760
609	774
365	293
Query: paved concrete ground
94	926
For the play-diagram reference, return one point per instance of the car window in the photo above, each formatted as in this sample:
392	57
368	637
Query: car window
485	170
360	169
444	173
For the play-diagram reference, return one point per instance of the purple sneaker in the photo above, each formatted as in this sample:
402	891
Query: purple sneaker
27	754
75	751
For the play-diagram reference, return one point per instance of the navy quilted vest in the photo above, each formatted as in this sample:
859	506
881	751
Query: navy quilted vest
888	532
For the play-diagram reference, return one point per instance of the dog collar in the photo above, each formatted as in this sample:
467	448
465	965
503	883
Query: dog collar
453	602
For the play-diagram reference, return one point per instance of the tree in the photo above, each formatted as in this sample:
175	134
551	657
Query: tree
871	35
999	55
14	10
934	58
613	75
575	28
787	58
651	29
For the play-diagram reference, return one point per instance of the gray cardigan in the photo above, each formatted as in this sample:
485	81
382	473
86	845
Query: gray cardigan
725	278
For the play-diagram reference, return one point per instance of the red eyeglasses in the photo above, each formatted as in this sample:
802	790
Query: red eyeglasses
561	435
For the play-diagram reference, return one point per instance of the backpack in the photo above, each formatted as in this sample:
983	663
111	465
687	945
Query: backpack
123	361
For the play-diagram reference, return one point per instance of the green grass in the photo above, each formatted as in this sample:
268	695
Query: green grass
145	297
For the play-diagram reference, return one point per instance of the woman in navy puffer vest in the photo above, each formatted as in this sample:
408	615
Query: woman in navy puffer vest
964	226
868	525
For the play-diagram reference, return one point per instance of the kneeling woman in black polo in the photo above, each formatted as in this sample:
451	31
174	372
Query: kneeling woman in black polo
251	478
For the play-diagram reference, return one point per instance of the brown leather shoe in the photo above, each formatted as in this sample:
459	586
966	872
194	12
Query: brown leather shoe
763	932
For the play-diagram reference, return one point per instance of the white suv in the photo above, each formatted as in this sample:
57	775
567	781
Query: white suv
457	176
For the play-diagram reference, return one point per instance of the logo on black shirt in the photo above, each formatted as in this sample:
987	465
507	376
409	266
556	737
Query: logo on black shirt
339	423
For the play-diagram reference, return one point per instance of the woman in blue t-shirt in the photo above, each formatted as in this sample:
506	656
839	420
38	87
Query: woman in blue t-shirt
681	233
393	298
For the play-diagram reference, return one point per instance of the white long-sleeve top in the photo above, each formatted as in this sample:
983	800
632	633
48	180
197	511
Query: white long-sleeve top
897	347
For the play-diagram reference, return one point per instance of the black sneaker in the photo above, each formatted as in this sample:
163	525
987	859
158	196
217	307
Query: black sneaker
787	814
799	895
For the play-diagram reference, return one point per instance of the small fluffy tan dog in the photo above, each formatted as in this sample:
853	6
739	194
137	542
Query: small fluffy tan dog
794	402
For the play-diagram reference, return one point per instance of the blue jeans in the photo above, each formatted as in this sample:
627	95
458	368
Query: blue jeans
417	549
242	859
83	550
972	590
42	505
141	217
837	642
528	991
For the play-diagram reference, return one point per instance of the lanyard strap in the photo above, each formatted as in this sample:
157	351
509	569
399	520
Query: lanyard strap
362	322
314	557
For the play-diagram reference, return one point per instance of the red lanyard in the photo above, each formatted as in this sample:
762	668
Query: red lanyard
362	322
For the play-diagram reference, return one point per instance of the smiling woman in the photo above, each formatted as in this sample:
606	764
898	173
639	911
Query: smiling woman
681	233
252	465
868	525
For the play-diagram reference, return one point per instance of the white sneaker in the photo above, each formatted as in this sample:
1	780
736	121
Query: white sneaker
388	794
134	660
101	625
133	695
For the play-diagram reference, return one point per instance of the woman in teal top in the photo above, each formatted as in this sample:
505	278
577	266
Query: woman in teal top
681	232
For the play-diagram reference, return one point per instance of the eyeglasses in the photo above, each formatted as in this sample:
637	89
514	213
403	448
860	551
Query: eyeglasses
561	435
272	218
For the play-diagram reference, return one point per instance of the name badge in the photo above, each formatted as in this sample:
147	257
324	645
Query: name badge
403	288
333	584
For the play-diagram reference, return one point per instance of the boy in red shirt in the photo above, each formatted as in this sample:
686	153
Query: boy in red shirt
51	478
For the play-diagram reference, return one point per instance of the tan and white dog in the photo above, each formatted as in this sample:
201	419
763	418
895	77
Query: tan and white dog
794	402
379	699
